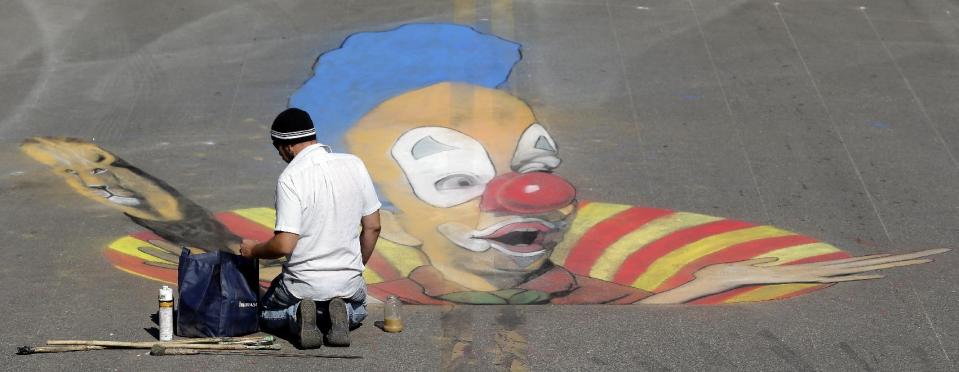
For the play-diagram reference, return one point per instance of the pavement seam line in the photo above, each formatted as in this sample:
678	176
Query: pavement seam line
629	92
729	112
242	72
915	97
852	161
17	116
945	146
832	121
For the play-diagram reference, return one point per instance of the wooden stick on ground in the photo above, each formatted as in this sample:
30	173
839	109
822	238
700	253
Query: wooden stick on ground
164	351
264	340
27	350
149	344
220	347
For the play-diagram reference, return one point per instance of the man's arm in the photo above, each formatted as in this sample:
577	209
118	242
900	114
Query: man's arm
719	278
280	245
369	234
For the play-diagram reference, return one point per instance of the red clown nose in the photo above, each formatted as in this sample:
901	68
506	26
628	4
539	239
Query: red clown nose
528	193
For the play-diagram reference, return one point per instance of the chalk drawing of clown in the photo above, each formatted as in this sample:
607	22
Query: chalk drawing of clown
469	171
476	214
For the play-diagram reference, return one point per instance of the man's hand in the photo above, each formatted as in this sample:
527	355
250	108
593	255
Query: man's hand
723	277
246	247
757	271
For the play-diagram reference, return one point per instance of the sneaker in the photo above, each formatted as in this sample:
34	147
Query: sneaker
310	336
339	334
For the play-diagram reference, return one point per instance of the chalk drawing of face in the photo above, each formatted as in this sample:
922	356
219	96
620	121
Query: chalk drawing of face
102	176
445	167
468	169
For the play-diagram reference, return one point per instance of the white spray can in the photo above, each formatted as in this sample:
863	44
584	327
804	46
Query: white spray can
166	313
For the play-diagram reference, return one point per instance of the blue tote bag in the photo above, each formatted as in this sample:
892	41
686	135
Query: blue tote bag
218	294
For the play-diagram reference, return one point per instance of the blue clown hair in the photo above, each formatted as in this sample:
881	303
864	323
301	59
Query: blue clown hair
372	67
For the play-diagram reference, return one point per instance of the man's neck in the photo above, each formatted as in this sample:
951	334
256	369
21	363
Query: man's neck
299	147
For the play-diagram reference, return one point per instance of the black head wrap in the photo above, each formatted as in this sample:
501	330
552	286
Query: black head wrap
292	124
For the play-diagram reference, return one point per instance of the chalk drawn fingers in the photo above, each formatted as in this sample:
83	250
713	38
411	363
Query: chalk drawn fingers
759	261
170	260
850	269
272	262
165	245
760	270
852	259
849	278
159	253
862	269
267	274
173	248
882	259
161	265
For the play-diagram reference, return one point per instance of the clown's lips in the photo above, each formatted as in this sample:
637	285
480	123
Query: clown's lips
520	237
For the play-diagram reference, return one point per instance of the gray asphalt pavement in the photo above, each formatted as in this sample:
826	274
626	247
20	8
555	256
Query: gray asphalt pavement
834	119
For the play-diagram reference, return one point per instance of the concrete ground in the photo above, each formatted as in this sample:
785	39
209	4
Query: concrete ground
835	119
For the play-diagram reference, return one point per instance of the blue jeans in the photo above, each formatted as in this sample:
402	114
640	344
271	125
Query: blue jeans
278	309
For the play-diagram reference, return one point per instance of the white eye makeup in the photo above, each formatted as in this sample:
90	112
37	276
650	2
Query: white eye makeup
535	151
456	182
445	167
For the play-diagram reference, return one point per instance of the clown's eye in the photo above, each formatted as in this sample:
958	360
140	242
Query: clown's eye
98	171
70	171
445	167
456	181
535	151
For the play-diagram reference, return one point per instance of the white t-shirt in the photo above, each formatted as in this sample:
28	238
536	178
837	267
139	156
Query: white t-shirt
321	197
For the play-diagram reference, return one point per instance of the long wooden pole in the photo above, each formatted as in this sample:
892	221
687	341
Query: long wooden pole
149	344
164	351
209	343
27	350
264	340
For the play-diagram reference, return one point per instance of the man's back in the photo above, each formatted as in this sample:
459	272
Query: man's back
322	201
321	196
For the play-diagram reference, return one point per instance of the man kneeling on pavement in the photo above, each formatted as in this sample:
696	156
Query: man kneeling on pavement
320	198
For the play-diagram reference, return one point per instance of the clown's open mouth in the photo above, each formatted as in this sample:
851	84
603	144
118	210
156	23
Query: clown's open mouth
519	237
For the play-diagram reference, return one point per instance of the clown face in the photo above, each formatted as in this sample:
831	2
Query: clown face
468	169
